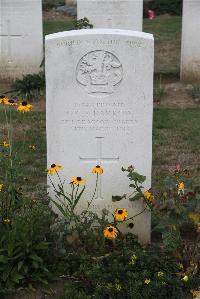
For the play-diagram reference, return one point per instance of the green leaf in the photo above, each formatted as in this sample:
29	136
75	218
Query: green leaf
42	245
35	258
3	259
134	176
118	197
19	265
78	197
60	208
136	197
171	239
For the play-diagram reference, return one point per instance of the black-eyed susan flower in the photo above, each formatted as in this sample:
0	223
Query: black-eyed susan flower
24	107
77	180
97	170
120	214
11	103
4	144
181	187
7	221
110	232
148	195
3	100
54	168
147	281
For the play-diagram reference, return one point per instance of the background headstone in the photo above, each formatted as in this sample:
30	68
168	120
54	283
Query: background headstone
99	111
21	38
190	52
116	14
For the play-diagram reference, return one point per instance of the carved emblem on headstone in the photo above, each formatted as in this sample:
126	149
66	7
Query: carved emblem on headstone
99	71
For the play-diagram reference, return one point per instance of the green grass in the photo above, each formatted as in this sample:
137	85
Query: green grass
167	34
28	129
176	140
57	26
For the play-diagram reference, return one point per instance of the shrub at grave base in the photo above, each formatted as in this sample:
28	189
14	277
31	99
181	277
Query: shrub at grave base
125	270
25	252
30	86
90	251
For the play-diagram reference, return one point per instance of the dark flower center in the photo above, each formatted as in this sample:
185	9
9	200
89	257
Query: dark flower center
97	166
53	165
24	103
79	178
110	229
11	101
120	212
2	96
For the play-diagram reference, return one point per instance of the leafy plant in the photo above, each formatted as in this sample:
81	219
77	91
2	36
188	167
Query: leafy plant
126	270
30	86
25	254
83	24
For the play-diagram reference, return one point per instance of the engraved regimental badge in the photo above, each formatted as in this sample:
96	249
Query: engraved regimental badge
100	72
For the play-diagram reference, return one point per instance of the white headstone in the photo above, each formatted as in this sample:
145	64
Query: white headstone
190	52
21	38
116	14
99	111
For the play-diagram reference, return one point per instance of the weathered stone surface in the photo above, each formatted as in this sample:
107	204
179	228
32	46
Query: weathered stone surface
21	38
117	14
190	52
99	111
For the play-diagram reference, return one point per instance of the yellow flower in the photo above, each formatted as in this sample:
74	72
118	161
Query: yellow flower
198	227
195	217
77	180
181	187
11	103
7	221
24	107
1	187
110	232
133	260
97	170
3	100
120	214
33	147
160	274
185	278
4	144
147	280
54	168
118	287
148	195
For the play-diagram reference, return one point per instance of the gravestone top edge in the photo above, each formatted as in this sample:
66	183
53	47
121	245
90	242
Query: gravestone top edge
99	31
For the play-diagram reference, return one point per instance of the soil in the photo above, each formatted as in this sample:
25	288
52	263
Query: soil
176	96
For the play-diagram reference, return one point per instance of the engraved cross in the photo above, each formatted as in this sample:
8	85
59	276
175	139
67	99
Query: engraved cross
9	36
100	159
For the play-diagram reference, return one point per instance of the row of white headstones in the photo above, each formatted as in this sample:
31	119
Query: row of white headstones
99	91
21	37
